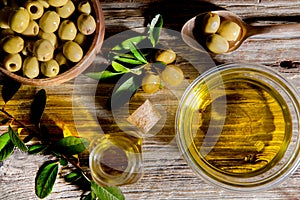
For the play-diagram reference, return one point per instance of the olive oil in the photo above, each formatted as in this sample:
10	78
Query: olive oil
241	128
116	160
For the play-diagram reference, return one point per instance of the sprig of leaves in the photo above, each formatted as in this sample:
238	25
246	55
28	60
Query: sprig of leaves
128	59
133	60
62	150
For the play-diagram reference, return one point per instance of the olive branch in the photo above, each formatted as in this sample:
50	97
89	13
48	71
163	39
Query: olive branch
63	150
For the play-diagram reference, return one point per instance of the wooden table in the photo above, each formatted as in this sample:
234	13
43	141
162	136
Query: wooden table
167	175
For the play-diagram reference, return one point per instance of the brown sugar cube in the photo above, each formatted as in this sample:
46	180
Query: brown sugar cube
145	117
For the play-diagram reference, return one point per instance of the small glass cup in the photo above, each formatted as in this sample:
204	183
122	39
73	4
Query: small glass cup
115	160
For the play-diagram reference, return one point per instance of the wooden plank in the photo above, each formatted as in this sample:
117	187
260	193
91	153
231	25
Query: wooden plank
166	175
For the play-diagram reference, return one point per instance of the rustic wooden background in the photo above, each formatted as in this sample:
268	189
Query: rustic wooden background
167	175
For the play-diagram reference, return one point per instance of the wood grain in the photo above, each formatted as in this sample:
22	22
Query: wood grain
166	175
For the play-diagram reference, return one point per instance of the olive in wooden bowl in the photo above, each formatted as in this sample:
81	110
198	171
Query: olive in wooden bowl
44	43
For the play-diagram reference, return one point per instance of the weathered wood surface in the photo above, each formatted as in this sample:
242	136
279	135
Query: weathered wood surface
167	175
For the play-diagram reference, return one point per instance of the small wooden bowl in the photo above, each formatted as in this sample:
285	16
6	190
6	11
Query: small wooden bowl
79	67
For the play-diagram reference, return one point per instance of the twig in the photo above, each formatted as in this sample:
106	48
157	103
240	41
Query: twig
35	134
32	133
87	176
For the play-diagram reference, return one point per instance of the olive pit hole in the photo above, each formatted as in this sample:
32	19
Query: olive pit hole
33	9
13	66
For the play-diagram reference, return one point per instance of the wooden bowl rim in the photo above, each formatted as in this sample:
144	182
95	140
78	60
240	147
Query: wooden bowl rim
81	66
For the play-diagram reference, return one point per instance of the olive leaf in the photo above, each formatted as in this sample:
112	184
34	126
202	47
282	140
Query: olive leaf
16	140
9	89
6	146
132	61
37	148
38	106
124	91
107	193
45	179
122	69
137	53
102	75
125	45
71	145
63	162
119	67
155	29
73	176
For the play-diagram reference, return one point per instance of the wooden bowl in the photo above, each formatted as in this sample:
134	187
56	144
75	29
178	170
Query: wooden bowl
79	67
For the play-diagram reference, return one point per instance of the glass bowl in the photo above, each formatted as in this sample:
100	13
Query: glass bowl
238	125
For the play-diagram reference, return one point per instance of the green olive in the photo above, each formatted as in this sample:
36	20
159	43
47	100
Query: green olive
57	3
43	50
86	24
31	67
66	10
50	68
49	22
67	30
49	36
80	39
44	3
165	56
84	7
32	29
19	20
4	12
229	30
211	23
72	51
217	44
61	59
12	44
13	62
151	83
35	9
172	75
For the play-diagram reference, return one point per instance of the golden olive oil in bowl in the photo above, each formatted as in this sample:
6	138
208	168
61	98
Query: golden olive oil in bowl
238	127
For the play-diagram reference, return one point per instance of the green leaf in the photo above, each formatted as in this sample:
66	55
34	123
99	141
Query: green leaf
38	106
126	43
63	162
6	146
16	139
45	179
155	29
73	176
124	91
37	148
119	67
9	89
123	55
107	193
102	75
128	60
137	53
71	145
